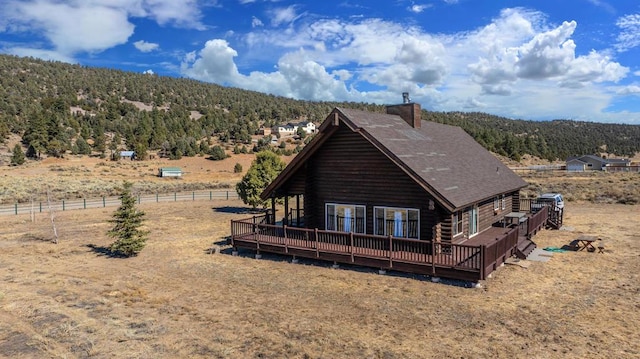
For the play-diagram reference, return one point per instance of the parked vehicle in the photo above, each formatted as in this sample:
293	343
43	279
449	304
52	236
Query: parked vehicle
554	200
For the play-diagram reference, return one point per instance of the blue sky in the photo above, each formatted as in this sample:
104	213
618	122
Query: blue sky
540	60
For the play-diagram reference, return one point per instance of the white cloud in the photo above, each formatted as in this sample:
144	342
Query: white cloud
629	36
517	55
75	26
144	46
603	5
214	63
284	15
416	8
255	22
148	72
629	90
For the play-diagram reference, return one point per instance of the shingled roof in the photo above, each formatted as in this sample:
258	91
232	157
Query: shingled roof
443	159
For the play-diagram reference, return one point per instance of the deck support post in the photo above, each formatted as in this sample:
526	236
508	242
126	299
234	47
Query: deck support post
273	210
258	255
294	260
286	210
234	252
382	271
351	245
335	265
390	251
315	238
298	210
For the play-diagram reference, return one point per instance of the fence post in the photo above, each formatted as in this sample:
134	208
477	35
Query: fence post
210	195
16	208
193	196
227	195
104	202
63	204
138	199
40	207
175	197
156	198
84	201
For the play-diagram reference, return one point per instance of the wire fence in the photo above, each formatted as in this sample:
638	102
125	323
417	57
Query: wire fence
103	202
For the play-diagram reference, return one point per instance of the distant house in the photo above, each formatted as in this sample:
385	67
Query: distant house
170	172
291	129
594	163
130	155
371	188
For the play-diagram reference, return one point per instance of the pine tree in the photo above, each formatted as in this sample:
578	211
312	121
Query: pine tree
17	158
127	220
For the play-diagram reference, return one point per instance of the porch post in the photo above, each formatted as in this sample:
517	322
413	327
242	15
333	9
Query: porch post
286	210
298	210
273	209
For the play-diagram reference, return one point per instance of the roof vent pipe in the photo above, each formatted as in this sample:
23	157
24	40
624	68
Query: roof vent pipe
405	97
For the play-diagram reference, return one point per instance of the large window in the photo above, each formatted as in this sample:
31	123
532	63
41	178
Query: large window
457	223
345	217
397	222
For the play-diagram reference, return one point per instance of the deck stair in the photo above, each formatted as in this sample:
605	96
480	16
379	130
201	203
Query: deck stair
524	248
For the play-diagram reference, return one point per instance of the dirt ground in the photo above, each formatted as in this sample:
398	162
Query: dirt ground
177	300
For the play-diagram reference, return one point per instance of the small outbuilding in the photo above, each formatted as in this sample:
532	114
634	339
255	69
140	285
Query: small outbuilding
130	155
170	172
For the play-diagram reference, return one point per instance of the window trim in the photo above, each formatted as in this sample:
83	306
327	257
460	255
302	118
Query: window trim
335	223
457	225
475	219
407	209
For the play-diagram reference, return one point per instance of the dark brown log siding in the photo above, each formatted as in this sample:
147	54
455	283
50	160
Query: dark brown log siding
348	169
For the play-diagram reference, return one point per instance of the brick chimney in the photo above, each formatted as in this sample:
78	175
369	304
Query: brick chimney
408	111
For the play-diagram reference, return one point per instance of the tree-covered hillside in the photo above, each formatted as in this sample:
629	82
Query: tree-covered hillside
57	107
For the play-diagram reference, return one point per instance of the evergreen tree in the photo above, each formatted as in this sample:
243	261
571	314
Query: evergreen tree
127	220
82	147
17	158
217	153
264	169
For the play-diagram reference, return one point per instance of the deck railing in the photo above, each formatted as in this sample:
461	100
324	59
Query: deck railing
537	221
429	255
497	252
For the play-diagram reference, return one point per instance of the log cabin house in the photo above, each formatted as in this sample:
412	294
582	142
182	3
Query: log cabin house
394	192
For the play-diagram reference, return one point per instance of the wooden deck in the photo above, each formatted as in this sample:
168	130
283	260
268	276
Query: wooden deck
472	260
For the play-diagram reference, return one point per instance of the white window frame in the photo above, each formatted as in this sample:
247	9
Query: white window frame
457	223
504	202
474	220
387	211
334	225
496	203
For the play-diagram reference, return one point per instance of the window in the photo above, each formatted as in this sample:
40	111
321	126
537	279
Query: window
500	203
473	220
457	223
345	217
397	222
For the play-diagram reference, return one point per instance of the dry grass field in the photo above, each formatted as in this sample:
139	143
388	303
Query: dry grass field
92	177
176	300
